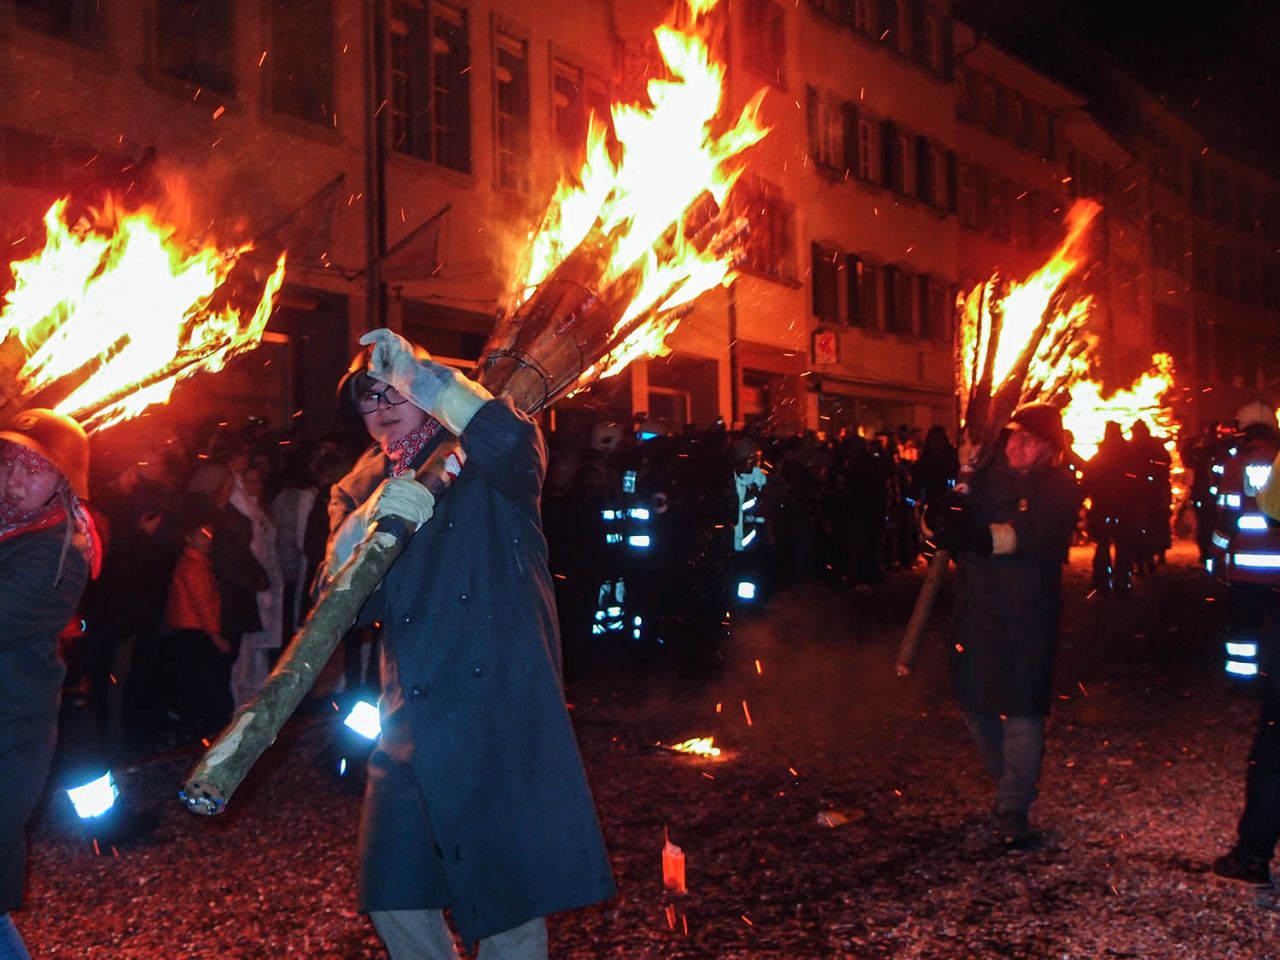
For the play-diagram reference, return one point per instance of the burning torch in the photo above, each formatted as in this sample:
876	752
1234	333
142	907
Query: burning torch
621	254
1015	343
100	324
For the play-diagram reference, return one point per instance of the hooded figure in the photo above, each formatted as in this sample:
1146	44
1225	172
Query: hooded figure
477	800
48	551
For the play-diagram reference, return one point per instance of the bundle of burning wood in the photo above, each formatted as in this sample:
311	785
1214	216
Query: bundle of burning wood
1015	343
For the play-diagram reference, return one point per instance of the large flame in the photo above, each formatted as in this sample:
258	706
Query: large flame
119	309
1088	411
632	211
998	321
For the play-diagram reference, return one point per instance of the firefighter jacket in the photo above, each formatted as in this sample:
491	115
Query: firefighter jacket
1008	603
477	797
35	604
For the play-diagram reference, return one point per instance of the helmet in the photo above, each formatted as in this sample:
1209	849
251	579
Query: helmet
606	436
1044	421
1256	413
58	439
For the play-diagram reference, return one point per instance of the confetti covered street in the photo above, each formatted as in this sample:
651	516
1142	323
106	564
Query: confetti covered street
846	816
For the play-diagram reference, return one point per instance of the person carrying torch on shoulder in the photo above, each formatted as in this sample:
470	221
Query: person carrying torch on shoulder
1010	537
477	800
49	549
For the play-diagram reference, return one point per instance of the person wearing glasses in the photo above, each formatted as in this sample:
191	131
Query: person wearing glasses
477	800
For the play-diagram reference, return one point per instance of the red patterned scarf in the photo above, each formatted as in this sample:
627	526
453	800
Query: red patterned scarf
14	522
405	451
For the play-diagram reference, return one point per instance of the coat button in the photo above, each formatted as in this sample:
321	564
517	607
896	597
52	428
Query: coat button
449	524
406	619
462	597
415	693
477	672
515	539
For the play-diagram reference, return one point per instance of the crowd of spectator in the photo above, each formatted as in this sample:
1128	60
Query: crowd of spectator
212	546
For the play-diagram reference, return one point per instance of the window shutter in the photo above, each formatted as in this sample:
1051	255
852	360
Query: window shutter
852	281
887	20
849	124
924	171
814	133
953	182
888	144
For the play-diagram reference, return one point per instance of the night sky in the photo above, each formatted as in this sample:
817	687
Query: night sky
1217	64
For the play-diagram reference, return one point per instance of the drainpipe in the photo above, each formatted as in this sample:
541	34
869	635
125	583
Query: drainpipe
377	108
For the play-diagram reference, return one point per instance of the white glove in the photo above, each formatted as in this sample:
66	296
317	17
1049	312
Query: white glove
400	497
434	387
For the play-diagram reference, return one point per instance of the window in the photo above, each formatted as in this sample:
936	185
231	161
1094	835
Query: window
899	301
1201	269
824	274
1168	166
897	169
194	42
1199	187
1039	131
904	28
764	43
1219	196
431	83
864	20
1246	212
1159	241
931	174
975	197
840	11
1248	278
1017	119
511	111
969	100
1224	284
861	276
770	249
826	131
933	44
865	168
598	103
76	21
301	60
989	105
1000	207
568	104
935	308
450	88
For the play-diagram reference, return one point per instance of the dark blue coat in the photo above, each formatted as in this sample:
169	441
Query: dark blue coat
34	607
1006	625
477	797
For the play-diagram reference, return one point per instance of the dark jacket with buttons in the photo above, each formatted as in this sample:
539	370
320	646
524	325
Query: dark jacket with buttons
477	797
1006	625
36	602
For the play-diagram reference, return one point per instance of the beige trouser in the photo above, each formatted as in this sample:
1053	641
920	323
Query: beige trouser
424	935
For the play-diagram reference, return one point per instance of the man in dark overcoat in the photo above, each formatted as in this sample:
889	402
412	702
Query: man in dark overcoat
1010	537
477	800
48	548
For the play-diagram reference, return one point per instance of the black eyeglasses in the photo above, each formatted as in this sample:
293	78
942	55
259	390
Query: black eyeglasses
387	396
